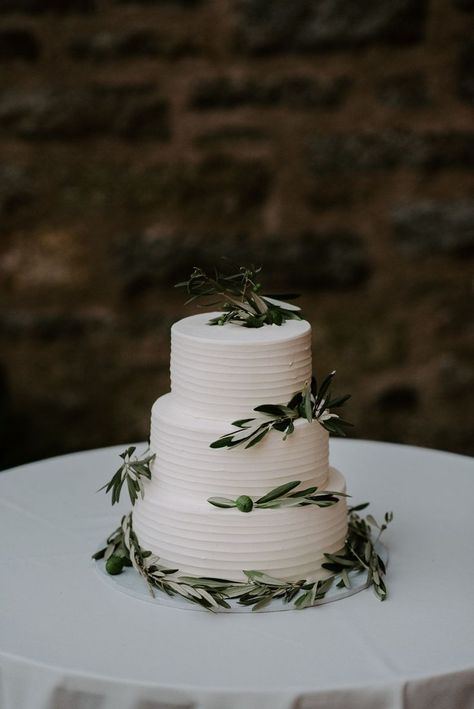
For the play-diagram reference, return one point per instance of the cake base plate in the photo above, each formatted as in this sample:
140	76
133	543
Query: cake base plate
132	584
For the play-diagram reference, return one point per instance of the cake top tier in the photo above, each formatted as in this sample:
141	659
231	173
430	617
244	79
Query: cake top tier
196	327
223	372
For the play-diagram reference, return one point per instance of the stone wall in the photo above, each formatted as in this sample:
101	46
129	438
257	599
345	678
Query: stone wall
331	141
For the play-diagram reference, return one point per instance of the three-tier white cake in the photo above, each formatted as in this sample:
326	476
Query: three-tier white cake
219	374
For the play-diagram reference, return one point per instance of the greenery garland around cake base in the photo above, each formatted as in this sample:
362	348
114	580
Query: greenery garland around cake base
259	589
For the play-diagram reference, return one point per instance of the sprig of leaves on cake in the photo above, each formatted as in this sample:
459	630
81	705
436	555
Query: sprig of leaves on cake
280	497
131	472
238	295
314	403
359	555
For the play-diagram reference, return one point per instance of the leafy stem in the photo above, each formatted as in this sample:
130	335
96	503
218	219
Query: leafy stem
280	497
238	296
359	555
314	403
131	472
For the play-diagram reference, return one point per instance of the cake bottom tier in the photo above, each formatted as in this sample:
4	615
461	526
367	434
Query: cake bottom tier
203	540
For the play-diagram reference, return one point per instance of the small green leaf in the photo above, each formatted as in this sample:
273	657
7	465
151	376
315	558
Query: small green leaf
222	442
360	507
223	502
257	438
295	401
271	409
304	493
278	491
263	603
241	423
282	503
338	401
325	386
262	578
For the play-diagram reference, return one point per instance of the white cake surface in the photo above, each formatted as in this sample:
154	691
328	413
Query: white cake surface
219	374
186	464
224	371
190	534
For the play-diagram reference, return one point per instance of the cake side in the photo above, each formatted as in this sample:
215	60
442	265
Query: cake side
225	371
186	464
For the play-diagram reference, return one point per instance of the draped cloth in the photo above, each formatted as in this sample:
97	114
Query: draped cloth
70	641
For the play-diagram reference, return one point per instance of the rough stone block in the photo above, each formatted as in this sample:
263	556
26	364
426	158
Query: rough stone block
162	255
37	7
106	46
15	188
131	111
303	25
18	43
365	151
334	259
56	324
449	149
466	73
383	150
336	190
397	397
222	187
403	91
466	5
325	259
435	227
178	3
294	91
230	134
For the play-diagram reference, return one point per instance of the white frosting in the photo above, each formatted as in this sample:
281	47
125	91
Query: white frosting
191	534
224	371
218	374
186	465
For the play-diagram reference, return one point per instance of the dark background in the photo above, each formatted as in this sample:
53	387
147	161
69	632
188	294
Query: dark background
331	141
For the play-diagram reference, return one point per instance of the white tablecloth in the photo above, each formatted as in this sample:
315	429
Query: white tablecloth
70	641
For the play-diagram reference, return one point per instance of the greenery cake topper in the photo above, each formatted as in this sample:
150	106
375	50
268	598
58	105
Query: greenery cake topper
238	297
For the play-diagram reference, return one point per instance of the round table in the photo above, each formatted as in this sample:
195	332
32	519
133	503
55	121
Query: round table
70	641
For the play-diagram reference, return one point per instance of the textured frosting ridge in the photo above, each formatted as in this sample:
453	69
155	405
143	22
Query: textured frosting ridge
218	374
201	539
224	371
185	464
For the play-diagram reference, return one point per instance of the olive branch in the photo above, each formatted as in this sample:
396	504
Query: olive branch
359	555
279	497
238	296
312	403
131	471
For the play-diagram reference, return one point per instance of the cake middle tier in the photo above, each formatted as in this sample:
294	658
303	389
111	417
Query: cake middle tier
225	371
186	464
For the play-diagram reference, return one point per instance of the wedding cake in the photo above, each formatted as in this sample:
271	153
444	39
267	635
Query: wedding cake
218	375
235	503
